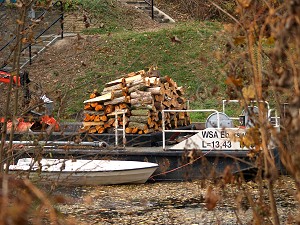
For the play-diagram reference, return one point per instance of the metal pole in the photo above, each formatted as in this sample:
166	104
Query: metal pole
116	129
163	129
124	137
62	20
152	9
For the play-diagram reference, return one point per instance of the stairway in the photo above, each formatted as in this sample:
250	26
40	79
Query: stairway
36	48
145	5
45	34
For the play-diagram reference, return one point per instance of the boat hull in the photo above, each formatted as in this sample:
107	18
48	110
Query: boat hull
133	173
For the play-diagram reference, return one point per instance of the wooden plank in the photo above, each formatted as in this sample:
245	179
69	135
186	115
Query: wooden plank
101	98
86	124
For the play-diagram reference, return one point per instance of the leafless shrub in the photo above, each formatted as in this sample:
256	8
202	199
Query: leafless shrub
261	58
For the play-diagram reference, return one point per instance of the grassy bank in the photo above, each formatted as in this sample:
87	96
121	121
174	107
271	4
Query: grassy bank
186	52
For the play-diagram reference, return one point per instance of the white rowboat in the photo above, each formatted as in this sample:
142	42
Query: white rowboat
84	172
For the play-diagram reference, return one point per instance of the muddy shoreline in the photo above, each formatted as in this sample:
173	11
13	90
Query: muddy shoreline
177	203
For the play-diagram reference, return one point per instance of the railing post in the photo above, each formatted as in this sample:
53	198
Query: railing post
62	19
152	9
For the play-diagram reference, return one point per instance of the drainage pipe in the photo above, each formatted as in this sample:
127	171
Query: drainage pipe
101	144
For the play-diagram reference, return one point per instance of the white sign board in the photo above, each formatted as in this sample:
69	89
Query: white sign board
214	138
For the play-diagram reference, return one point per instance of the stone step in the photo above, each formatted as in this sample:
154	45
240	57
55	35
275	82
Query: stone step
159	16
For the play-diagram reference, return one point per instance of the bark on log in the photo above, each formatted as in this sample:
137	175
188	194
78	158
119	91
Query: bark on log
90	112
115	82
159	98
140	87
156	90
114	87
139	126
142	106
144	100
140	119
140	94
140	112
123	99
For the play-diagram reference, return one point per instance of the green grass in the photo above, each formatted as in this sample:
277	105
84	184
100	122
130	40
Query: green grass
191	63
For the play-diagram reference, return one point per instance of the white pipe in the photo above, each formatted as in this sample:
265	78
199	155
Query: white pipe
83	143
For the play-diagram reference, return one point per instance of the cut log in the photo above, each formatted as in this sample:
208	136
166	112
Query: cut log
123	99
90	112
123	106
140	94
153	81
119	93
118	112
109	123
115	82
100	129
139	126
158	106
94	104
156	90
159	98
101	98
140	112
134	130
180	91
99	107
88	106
140	119
144	100
103	118
148	131
128	130
165	79
140	81
88	118
94	94
114	87
109	109
92	130
140	87
167	103
142	106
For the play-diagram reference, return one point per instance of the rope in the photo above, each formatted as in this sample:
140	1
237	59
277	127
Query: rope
180	167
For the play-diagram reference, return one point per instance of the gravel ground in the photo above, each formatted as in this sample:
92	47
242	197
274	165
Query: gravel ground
176	203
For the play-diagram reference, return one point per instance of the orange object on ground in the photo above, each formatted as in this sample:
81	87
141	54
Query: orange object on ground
21	126
49	120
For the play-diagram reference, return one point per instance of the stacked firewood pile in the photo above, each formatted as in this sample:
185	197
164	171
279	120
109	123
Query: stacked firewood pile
141	96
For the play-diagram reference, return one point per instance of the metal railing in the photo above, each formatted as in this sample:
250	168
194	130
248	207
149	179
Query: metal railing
151	4
29	46
164	131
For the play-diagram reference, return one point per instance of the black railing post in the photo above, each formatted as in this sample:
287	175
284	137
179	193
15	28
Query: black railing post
62	19
152	9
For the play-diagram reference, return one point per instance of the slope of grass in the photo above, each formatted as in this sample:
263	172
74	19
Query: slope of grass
186	52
